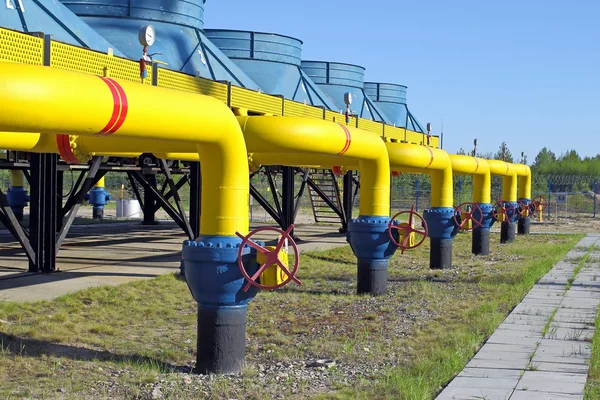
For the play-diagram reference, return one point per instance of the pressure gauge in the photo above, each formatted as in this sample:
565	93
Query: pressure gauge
348	98
146	35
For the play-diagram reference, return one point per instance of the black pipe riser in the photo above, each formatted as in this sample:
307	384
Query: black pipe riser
440	253
508	232
372	276
481	242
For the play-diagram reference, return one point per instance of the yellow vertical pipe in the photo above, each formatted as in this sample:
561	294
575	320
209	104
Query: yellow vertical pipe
64	102
509	178
524	176
479	169
16	177
100	183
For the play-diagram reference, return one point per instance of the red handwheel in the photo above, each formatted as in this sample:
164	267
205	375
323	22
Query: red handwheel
502	208
272	258
468	215
407	229
524	209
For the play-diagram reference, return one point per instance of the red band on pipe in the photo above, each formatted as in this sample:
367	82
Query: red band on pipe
124	106
116	106
64	149
430	161
348	140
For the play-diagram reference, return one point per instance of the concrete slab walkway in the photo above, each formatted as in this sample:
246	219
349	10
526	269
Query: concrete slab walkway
542	349
116	253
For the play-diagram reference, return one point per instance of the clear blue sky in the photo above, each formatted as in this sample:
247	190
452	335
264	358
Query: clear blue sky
526	72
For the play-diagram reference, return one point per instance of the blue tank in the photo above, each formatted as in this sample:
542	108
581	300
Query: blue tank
391	99
336	79
51	17
273	62
178	26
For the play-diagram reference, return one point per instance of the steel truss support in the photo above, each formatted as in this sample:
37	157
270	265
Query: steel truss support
151	194
76	198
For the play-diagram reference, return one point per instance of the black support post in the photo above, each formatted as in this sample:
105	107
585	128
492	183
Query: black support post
347	200
149	201
195	197
43	210
287	192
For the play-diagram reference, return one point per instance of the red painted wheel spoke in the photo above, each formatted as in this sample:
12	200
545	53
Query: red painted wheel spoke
406	229
287	272
410	216
272	258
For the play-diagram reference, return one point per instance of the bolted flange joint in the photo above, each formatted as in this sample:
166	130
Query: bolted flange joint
369	239
442	228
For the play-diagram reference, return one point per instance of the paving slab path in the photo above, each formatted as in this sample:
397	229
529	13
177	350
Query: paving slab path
542	349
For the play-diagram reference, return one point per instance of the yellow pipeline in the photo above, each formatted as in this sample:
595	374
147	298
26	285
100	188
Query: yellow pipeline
478	167
30	142
294	136
16	177
524	176
421	159
509	178
62	102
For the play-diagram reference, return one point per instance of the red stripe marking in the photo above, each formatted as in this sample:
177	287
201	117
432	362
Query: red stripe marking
430	161
64	149
124	107
116	106
348	140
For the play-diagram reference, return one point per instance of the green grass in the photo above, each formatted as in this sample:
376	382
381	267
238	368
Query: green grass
119	341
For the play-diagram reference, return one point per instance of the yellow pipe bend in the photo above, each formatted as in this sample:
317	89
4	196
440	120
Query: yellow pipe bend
312	138
524	176
509	178
63	102
479	169
407	157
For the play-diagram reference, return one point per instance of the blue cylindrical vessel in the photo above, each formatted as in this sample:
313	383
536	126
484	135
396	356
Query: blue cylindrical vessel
336	79
391	99
182	12
272	61
178	27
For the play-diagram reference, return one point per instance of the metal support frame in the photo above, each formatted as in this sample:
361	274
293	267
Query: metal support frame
77	197
10	221
325	198
149	205
151	193
175	194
